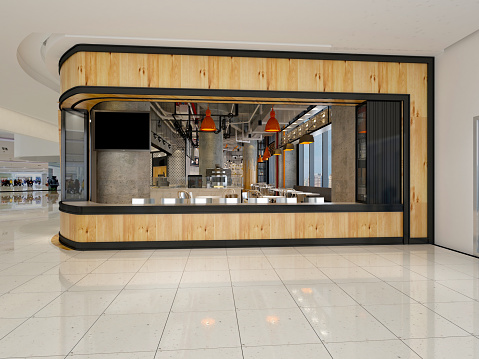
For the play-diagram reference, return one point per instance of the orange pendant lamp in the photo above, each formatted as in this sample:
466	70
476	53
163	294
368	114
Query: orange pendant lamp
272	125
266	154
260	159
208	124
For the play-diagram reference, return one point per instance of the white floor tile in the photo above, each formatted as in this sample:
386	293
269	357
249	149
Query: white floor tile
349	275
263	297
206	279
369	260
220	353
78	303
341	324
7	325
394	274
206	264
134	255
138	355
7	283
414	321
389	349
45	336
275	327
163	265
27	269
439	272
252	277
469	287
120	266
155	280
320	295
197	330
446	348
203	299
464	315
329	260
242	263
471	268
375	293
302	276
123	333
429	292
23	305
405	259
102	281
49	283
142	301
292	262
303	351
75	267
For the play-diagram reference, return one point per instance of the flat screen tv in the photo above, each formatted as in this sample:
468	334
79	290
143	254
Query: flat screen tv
122	131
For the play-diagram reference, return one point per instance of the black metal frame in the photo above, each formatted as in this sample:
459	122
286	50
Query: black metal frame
271	95
85	154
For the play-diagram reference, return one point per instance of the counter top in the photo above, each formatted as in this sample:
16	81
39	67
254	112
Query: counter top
92	208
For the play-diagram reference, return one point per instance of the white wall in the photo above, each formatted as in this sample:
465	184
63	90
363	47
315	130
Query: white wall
457	102
15	122
35	149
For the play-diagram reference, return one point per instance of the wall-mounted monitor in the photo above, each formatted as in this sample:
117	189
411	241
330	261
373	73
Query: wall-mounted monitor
122	131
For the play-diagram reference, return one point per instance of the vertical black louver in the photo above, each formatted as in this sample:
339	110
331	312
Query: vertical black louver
383	152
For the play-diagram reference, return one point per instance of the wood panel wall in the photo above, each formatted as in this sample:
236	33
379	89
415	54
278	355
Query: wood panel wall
271	74
229	226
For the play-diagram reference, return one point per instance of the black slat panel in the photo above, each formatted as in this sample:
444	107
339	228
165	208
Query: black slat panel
383	152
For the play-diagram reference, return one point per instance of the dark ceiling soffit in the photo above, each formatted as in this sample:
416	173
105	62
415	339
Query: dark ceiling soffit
185	93
240	53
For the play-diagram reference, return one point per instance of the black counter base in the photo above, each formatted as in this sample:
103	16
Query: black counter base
97	246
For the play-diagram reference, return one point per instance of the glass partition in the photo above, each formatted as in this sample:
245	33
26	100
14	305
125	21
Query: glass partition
74	156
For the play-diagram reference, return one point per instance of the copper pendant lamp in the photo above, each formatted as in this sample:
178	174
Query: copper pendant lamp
289	147
272	125
208	124
306	139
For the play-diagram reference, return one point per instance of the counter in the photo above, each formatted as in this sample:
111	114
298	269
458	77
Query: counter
91	226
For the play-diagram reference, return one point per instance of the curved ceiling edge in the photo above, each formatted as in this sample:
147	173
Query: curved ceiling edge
29	57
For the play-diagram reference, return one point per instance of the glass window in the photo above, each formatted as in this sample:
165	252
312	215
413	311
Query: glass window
74	157
318	159
315	160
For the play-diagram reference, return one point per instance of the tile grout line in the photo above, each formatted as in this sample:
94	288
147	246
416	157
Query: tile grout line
171	307
234	304
297	306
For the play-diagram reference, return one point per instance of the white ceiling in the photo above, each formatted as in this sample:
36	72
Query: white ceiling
410	27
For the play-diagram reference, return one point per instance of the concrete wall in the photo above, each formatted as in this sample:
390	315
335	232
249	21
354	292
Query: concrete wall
290	167
343	144
122	175
211	151
250	164
456	103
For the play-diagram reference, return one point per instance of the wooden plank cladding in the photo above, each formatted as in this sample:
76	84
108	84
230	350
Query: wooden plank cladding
245	73
171	71
229	226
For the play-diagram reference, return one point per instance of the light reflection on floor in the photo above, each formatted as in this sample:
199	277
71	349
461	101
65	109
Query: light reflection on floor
336	302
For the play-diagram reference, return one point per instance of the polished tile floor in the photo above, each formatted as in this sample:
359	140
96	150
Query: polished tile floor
302	302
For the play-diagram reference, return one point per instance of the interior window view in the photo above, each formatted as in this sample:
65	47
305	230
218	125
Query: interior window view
196	180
